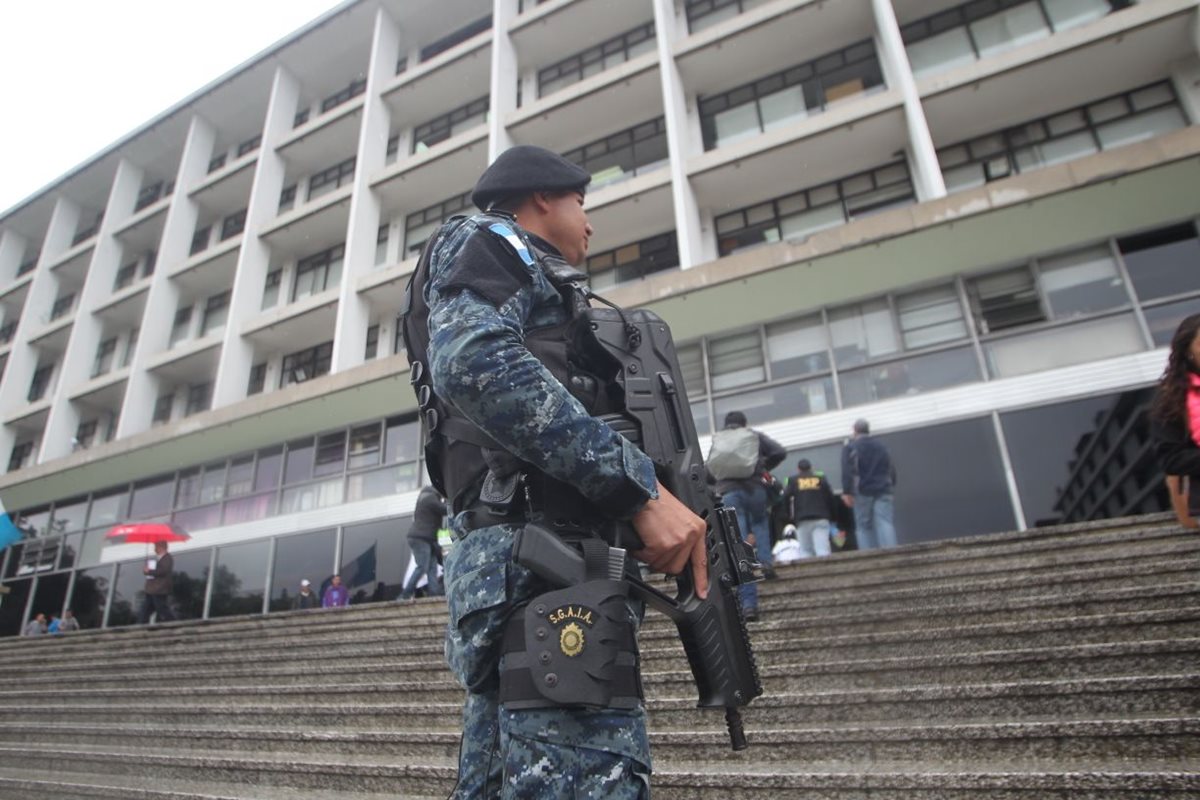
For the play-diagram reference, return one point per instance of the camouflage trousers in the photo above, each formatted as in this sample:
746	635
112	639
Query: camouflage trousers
530	753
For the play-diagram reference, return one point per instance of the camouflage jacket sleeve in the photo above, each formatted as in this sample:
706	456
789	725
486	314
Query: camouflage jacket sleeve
480	365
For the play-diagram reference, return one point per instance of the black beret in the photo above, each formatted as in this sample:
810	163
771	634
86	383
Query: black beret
527	168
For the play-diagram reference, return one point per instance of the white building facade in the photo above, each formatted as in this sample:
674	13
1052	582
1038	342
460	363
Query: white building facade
974	224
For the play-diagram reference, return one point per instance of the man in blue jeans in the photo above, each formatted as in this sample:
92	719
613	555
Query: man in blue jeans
422	539
748	497
868	479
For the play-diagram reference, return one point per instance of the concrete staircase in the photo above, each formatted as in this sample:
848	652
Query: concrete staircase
1057	663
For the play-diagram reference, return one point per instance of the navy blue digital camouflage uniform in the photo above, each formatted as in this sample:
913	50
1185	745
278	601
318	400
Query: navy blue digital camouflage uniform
483	297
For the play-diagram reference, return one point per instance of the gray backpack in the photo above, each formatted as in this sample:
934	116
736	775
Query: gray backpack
733	455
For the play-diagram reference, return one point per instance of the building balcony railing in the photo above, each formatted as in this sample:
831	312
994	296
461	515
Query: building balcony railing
789	96
984	28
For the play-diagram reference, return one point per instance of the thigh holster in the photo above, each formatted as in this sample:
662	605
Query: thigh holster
572	647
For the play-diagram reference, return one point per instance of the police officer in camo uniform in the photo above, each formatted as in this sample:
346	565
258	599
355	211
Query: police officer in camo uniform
491	296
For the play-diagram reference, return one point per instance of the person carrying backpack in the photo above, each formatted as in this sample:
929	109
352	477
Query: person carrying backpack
737	458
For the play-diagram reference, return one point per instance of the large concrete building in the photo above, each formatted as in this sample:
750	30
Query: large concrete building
973	223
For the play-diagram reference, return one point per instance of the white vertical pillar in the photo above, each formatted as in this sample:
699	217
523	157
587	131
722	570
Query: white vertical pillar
254	258
162	298
1185	76
23	357
692	250
504	78
927	176
12	249
88	330
353	312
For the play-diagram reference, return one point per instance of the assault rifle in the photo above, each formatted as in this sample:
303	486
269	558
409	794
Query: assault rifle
637	346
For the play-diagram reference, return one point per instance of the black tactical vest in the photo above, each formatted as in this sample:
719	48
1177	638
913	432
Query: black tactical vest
465	464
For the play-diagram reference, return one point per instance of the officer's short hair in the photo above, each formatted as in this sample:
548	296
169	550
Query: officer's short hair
735	419
862	426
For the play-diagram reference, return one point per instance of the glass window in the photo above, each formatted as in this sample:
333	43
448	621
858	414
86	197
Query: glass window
190	582
92	545
1008	29
1164	319
1063	346
1082	282
108	508
331	453
402	440
691	367
127	594
941	492
1140	127
299	461
365	446
736	361
50	594
1055	448
800	226
943	51
797	347
862	332
779	402
152	498
374	559
307	556
198	518
312	495
909	376
382	482
239	582
269	463
90	596
188	492
69	550
249	508
70	515
271	288
241	476
12	610
1005	299
930	316
1163	262
1067	14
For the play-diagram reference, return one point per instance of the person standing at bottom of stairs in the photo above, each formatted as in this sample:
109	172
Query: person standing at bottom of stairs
423	541
1176	418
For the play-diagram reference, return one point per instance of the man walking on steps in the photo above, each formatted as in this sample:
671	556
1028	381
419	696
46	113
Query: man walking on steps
868	479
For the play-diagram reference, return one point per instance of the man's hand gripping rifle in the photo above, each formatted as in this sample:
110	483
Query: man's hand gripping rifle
638	346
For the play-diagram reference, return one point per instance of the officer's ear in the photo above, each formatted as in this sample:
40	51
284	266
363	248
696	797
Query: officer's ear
542	201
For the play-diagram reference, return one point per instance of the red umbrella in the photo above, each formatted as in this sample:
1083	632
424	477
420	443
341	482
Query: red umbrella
148	533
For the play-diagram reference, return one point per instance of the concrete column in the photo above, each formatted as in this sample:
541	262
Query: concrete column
12	250
254	258
88	330
1185	76
504	78
162	298
23	357
675	108
354	313
927	176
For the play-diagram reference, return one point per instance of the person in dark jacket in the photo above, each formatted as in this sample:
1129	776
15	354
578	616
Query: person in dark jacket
810	505
306	597
868	480
422	540
748	497
1176	420
159	583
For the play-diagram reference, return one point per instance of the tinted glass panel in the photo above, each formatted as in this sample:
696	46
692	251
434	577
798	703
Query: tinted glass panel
70	515
779	402
1082	282
152	499
108	509
127	596
950	481
269	463
1163	320
191	578
50	595
382	481
1063	346
1085	459
89	595
402	438
299	461
240	579
374	558
1164	262
909	376
308	555
12	609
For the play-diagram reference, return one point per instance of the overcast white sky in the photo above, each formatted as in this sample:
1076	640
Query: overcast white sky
76	75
